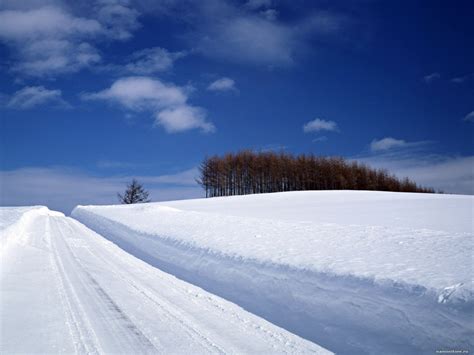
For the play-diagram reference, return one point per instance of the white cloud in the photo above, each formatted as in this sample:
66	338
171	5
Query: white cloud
445	173
469	117
141	93
386	144
391	144
49	40
43	22
167	101
32	96
431	77
222	84
184	118
317	125
64	188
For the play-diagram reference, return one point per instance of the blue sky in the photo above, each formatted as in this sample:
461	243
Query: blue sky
95	93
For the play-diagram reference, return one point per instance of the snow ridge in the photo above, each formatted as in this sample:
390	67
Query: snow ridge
387	309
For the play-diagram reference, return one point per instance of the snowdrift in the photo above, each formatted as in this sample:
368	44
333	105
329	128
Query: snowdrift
356	272
14	220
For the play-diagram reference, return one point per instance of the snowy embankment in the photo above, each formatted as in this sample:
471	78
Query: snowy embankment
66	289
357	272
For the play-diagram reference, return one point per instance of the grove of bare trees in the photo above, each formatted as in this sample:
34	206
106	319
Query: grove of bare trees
249	172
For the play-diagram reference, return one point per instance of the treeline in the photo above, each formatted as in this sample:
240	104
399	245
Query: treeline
249	172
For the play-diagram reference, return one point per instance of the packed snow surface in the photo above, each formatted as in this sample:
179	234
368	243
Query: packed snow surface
355	271
66	289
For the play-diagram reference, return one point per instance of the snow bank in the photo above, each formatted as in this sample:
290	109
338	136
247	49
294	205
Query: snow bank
14	220
392	277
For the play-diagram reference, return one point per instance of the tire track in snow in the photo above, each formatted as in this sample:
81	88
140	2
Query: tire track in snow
118	326
82	334
168	309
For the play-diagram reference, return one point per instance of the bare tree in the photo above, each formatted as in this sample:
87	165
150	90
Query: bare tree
135	193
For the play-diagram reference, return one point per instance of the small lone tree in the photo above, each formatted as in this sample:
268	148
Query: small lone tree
135	193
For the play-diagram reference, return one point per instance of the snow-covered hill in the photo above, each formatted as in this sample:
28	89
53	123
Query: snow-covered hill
66	289
357	272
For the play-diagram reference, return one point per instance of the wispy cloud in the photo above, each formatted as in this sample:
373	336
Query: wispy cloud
320	139
469	117
222	84
450	174
386	144
461	79
318	125
33	96
152	60
47	40
390	144
269	14
63	188
416	160
167	102
431	77
251	32
114	164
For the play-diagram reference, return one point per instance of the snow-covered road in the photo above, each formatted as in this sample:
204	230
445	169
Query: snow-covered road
65	288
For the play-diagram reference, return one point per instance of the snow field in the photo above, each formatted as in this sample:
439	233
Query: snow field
399	281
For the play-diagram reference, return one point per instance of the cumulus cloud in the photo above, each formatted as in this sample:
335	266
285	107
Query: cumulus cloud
318	125
222	84
184	118
141	93
431	77
32	96
167	101
63	188
47	39
469	117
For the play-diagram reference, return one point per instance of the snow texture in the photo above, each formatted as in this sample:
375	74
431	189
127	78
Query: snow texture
357	272
66	289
